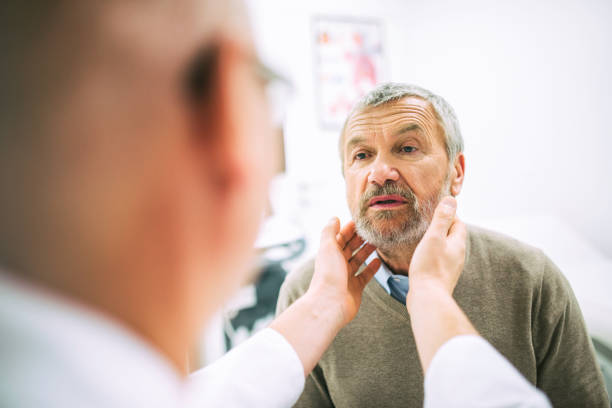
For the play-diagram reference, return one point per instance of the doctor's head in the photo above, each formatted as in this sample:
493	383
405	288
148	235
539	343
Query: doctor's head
133	156
401	152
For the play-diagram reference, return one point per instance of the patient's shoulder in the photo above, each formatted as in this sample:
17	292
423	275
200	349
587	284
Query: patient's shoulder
495	251
486	242
296	283
300	277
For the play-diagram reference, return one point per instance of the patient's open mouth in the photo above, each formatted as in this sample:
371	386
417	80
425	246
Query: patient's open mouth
387	201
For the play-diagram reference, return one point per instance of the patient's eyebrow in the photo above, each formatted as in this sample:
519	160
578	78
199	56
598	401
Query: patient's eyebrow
408	128
355	141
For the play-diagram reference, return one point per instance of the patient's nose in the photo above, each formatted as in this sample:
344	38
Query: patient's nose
381	173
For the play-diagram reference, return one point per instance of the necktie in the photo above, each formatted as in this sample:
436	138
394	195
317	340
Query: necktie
399	287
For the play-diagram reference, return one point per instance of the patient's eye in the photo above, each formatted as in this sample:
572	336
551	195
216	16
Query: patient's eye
361	156
408	149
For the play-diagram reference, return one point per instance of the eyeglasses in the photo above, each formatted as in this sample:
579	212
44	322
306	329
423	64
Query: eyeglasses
199	77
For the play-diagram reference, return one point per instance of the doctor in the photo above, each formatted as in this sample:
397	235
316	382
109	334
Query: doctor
133	169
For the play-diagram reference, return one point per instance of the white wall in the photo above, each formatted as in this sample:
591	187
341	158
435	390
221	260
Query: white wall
530	81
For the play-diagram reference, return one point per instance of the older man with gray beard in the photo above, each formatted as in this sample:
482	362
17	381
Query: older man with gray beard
402	152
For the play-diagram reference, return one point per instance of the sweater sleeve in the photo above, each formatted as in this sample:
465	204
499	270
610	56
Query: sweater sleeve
315	392
567	369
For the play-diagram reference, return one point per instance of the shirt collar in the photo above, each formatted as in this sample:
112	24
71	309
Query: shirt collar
383	274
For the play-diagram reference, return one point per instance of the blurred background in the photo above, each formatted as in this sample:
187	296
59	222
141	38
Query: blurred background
531	84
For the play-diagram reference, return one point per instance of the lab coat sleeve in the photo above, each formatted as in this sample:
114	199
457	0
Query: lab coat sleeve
468	371
264	371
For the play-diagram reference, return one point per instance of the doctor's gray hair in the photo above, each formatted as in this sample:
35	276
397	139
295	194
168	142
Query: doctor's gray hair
393	91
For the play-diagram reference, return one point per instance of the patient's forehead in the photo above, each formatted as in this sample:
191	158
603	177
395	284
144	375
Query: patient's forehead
393	116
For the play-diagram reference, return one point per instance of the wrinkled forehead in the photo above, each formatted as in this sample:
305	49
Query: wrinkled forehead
408	111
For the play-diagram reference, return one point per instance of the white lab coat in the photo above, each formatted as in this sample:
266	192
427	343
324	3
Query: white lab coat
56	353
468	372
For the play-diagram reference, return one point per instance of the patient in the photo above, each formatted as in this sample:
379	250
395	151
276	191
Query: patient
401	152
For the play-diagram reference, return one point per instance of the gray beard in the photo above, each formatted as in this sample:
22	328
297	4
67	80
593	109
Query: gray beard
409	232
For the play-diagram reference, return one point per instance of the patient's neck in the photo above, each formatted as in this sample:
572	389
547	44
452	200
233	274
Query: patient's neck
398	258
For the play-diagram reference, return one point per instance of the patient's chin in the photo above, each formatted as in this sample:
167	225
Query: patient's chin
388	222
386	230
387	234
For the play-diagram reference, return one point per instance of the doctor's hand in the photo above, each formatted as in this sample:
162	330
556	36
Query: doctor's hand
438	259
334	282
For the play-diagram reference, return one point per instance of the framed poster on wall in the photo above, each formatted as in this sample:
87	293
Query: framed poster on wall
349	62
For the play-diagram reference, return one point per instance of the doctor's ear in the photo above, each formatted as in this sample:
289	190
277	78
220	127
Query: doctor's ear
214	109
457	174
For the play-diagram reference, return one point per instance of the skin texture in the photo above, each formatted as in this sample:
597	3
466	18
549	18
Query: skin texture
402	143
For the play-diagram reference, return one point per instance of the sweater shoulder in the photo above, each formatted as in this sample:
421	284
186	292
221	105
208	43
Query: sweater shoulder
498	252
299	278
512	259
295	285
490	241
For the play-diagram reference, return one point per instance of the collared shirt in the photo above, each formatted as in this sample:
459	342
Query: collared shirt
383	274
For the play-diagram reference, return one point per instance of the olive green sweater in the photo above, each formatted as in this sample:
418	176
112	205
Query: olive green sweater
516	298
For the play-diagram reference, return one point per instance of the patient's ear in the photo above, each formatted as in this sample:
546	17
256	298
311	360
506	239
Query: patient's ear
457	174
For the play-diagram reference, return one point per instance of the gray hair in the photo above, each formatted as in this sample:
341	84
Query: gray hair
393	91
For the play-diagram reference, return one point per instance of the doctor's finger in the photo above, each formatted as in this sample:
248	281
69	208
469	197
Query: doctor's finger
355	242
368	273
345	234
360	257
443	218
330	231
457	235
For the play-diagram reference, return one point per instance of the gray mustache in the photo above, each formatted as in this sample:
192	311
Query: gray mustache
387	189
